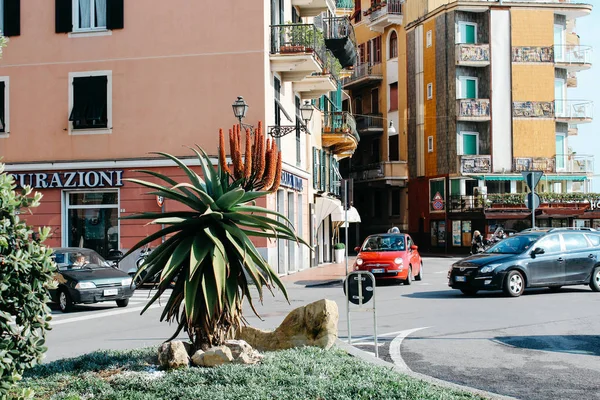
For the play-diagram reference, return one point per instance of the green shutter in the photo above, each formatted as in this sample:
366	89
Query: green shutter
471	88
331	174
469	144
315	168
470	34
323	177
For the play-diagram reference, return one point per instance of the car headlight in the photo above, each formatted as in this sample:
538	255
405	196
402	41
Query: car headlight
126	282
85	285
489	268
359	261
398	261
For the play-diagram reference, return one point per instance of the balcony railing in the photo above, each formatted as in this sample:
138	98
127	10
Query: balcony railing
365	70
298	39
572	54
384	8
565	163
572	110
367	171
369	122
534	164
473	54
473	109
460	203
345	4
340	122
340	39
571	79
338	28
475	164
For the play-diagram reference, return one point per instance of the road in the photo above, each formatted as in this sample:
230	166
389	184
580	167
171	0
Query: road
541	345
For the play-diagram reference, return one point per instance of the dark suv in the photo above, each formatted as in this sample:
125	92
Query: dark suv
553	258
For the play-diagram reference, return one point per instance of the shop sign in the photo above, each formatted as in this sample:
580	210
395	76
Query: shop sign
71	179
594	204
291	181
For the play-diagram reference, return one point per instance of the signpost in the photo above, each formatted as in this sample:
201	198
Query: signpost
160	200
532	201
359	288
347	203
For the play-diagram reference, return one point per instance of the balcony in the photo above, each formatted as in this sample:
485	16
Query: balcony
574	163
473	109
320	83
369	124
390	172
571	79
340	39
475	164
573	57
312	8
473	55
339	133
363	75
346	6
574	111
384	14
545	164
296	51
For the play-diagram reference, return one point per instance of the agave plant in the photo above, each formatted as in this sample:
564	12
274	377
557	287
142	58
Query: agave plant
208	253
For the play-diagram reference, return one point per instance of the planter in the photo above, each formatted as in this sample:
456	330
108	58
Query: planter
339	255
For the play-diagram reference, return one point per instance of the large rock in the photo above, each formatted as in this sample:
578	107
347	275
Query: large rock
173	355
197	357
238	347
214	356
312	325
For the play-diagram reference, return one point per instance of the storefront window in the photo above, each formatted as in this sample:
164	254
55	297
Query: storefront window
596	223
92	221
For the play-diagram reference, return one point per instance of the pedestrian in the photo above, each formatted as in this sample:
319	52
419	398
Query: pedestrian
477	243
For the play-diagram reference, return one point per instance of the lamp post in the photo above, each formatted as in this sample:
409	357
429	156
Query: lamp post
240	108
306	113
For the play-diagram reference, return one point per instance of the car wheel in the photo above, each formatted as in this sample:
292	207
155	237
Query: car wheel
595	281
419	276
554	289
514	284
123	303
469	291
64	301
409	278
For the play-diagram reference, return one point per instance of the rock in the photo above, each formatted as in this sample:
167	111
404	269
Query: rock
312	325
215	356
238	347
188	348
197	358
173	355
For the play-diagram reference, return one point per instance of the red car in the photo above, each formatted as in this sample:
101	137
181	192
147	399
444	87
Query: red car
390	256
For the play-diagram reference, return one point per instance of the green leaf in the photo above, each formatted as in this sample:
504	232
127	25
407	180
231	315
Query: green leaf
229	199
213	237
178	257
190	293
209	172
209	290
164	178
193	203
200	250
260	210
219	264
194	178
153	215
249	196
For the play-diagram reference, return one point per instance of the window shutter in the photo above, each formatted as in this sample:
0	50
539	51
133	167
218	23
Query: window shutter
12	17
331	174
315	168
114	14
2	116
64	15
323	177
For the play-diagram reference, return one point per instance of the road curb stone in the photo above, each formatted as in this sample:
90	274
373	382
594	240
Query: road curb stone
363	355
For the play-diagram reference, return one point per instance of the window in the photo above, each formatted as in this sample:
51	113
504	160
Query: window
394	148
358	105
357	12
395	202
467	33
429	38
594	239
90	102
10	17
376	49
430	91
375	101
393	45
88	15
277	89
550	244
467	87
298	123
362	54
316	168
430	144
4	128
575	241
394	96
468	143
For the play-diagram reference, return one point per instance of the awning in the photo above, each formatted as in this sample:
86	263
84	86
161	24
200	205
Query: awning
573	178
324	206
508	215
339	215
283	110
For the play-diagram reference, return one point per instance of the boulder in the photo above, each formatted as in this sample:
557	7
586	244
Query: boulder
249	359
312	325
197	358
238	347
214	356
173	355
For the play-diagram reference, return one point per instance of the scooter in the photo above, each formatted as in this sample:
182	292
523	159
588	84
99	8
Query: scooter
144	253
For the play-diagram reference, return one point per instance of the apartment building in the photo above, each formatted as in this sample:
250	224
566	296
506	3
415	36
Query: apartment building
487	99
377	94
90	88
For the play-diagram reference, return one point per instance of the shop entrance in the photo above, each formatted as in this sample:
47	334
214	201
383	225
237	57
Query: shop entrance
91	220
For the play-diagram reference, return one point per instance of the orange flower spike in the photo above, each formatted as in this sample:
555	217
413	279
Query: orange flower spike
248	160
222	156
269	177
260	159
277	180
239	163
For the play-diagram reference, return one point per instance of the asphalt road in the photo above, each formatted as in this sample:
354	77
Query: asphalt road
541	345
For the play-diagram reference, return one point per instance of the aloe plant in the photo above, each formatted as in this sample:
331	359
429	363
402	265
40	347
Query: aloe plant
208	253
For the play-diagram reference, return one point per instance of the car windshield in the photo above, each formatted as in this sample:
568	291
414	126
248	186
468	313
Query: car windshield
513	245
384	243
70	259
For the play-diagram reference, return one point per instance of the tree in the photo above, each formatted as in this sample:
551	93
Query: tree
208	253
26	271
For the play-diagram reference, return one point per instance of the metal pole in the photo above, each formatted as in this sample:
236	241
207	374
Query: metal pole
348	310
162	210
375	318
346	219
532	205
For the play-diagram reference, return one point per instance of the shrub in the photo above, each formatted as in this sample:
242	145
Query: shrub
26	270
339	246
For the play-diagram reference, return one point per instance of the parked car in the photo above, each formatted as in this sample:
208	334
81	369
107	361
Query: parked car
390	256
552	257
83	276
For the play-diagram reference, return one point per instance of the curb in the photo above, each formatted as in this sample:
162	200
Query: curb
363	355
324	283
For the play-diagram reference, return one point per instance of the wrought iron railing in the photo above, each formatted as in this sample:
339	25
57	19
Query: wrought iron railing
473	108
572	54
338	28
364	70
340	122
369	121
367	171
574	109
472	53
386	7
471	203
298	38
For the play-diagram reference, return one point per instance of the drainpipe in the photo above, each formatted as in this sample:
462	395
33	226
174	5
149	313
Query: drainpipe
448	228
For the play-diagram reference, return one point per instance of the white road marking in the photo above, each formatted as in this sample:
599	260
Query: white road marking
102	315
395	347
371	337
379	344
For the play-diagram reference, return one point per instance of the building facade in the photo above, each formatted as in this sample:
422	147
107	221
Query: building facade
91	88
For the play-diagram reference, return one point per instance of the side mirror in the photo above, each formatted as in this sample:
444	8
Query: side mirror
537	250
414	247
357	249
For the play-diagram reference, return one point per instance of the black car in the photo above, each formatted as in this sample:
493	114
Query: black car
539	258
83	276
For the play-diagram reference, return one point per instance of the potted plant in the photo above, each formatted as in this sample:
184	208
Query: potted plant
339	250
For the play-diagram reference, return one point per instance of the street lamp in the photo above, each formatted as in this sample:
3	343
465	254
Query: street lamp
306	113
240	108
391	129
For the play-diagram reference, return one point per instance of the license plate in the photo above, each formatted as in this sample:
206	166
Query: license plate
111	292
378	271
460	278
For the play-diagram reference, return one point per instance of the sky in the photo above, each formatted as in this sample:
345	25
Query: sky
587	141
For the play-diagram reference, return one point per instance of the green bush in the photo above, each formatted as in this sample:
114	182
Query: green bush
26	270
339	246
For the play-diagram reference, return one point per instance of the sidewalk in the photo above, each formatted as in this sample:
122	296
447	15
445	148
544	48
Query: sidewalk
325	274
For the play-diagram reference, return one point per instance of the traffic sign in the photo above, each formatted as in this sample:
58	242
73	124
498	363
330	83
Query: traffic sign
364	293
532	201
160	200
532	178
